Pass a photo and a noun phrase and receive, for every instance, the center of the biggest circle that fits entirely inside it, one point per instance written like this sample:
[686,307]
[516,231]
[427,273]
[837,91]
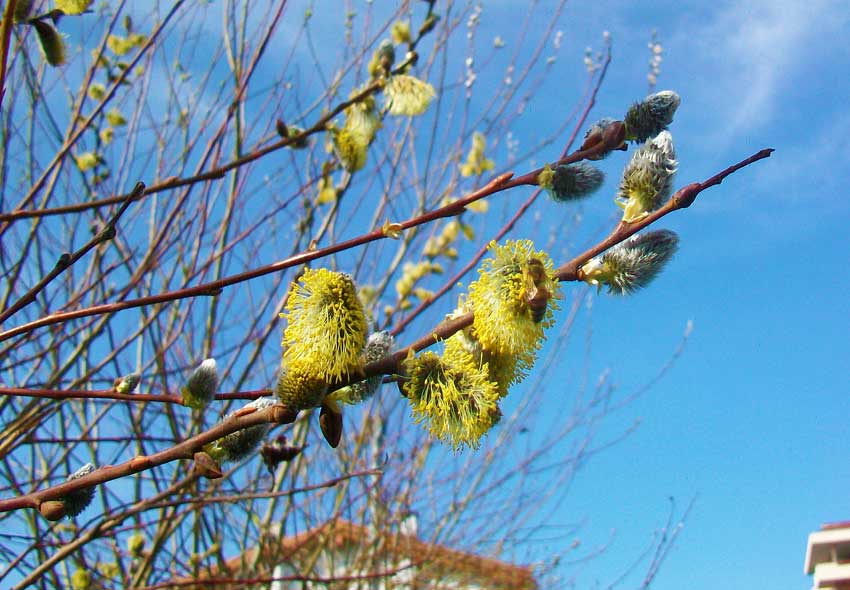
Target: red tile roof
[432,562]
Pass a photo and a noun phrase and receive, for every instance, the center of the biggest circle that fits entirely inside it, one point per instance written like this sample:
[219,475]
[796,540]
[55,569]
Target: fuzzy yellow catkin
[73,6]
[326,325]
[453,396]
[506,321]
[407,95]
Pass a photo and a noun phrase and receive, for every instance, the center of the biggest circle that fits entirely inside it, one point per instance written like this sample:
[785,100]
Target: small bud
[128,383]
[648,118]
[632,264]
[86,161]
[115,118]
[136,545]
[386,54]
[407,95]
[378,346]
[242,443]
[605,135]
[206,466]
[476,163]
[330,420]
[429,24]
[77,501]
[392,230]
[287,131]
[202,385]
[96,91]
[400,32]
[80,580]
[648,178]
[276,452]
[52,510]
[570,182]
[51,43]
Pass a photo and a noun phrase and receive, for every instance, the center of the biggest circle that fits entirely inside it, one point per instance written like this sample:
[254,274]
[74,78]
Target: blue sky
[752,418]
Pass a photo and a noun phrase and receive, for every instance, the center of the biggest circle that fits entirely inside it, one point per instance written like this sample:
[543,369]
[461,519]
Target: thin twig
[66,260]
[569,271]
[6,40]
[185,450]
[500,183]
[449,284]
[111,394]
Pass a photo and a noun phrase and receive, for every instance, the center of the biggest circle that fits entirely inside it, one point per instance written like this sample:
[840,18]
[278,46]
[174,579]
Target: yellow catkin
[326,325]
[509,314]
[453,396]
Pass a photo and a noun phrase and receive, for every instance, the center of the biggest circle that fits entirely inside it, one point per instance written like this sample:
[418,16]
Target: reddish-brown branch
[111,394]
[569,271]
[682,199]
[277,414]
[67,260]
[500,183]
[449,284]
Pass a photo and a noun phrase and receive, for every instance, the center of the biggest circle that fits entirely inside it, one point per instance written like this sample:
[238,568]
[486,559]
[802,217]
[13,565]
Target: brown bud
[276,452]
[205,466]
[52,509]
[614,136]
[686,195]
[283,414]
[281,128]
[603,137]
[331,424]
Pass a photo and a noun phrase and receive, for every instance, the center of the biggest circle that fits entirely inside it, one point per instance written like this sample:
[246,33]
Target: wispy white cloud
[747,55]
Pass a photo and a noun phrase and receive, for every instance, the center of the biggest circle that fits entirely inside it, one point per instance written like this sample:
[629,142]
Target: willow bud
[632,264]
[128,383]
[242,443]
[648,178]
[50,42]
[202,385]
[570,182]
[649,117]
[70,504]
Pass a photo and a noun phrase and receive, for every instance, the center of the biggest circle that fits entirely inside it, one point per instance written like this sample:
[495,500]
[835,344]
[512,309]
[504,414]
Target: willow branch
[473,262]
[6,40]
[569,271]
[500,183]
[215,173]
[245,418]
[111,394]
[66,260]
